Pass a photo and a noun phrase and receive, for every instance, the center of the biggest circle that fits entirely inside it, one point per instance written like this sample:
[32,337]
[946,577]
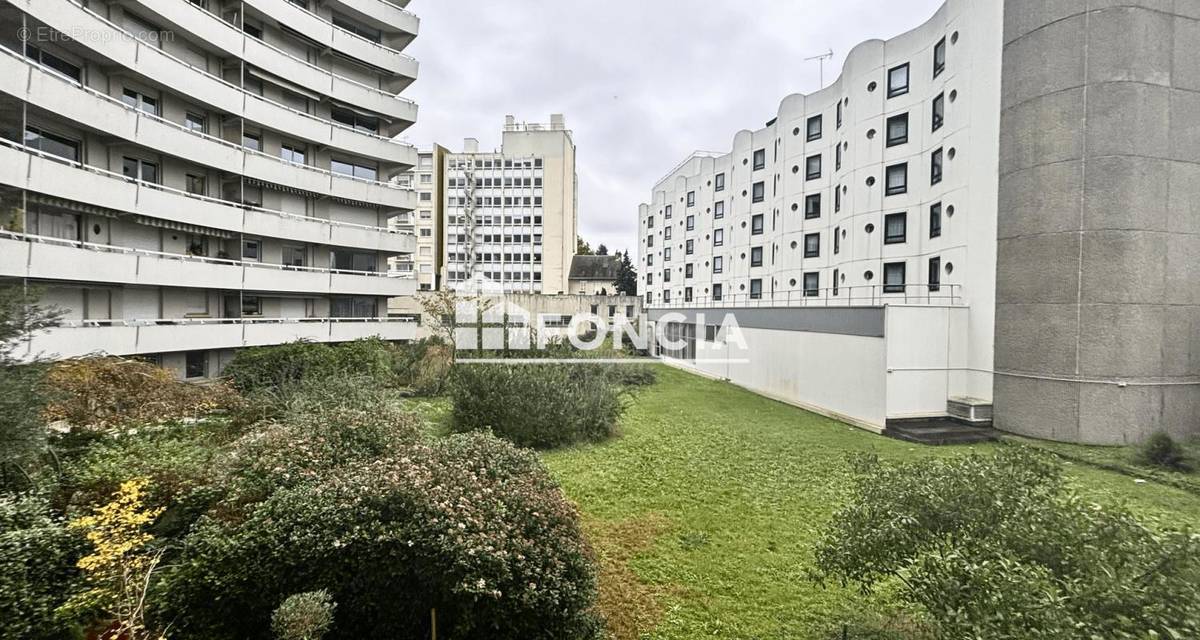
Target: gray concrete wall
[1098,266]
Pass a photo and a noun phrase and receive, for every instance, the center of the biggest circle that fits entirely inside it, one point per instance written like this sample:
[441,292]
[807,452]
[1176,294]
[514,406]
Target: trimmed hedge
[259,368]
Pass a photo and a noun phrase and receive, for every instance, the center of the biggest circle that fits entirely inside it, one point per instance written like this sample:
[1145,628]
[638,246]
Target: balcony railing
[873,295]
[346,32]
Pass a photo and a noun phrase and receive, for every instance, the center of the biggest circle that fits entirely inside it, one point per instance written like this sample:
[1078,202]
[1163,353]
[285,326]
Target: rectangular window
[812,283]
[812,245]
[895,228]
[837,157]
[756,224]
[837,198]
[760,159]
[939,111]
[719,182]
[650,241]
[758,191]
[196,364]
[718,264]
[839,114]
[893,277]
[756,289]
[357,28]
[354,120]
[837,240]
[691,198]
[667,233]
[252,141]
[935,220]
[814,128]
[666,254]
[939,57]
[687,294]
[195,122]
[897,130]
[667,211]
[355,169]
[935,167]
[140,101]
[935,274]
[691,223]
[295,256]
[53,144]
[756,256]
[812,167]
[293,153]
[717,291]
[353,307]
[897,179]
[898,81]
[812,206]
[64,226]
[718,237]
[835,282]
[53,62]
[138,169]
[719,209]
[666,275]
[252,250]
[689,247]
[353,260]
[688,270]
[197,185]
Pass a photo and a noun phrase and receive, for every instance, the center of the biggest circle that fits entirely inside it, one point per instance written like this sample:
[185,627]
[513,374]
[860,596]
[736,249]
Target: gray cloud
[642,83]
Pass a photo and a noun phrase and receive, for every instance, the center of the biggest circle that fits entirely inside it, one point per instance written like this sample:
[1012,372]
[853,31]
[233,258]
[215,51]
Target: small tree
[601,250]
[582,248]
[626,276]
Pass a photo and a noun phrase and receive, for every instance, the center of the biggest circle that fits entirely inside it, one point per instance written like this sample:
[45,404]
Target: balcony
[133,337]
[43,258]
[384,14]
[876,295]
[112,42]
[27,168]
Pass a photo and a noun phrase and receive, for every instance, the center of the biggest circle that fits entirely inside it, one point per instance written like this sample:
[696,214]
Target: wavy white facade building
[857,236]
[186,177]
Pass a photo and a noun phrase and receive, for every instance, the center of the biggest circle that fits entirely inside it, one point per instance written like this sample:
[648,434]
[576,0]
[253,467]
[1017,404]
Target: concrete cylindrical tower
[1098,265]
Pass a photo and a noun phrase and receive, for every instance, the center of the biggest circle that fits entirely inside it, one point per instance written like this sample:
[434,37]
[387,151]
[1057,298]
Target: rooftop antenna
[821,63]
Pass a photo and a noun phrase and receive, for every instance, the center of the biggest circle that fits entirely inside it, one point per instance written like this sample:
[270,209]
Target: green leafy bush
[1160,450]
[37,568]
[469,526]
[541,406]
[999,547]
[633,375]
[260,368]
[304,616]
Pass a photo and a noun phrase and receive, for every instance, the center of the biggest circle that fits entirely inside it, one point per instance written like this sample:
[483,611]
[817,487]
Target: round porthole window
[708,210]
[950,210]
[795,206]
[681,198]
[796,131]
[792,282]
[793,244]
[843,277]
[949,267]
[843,233]
[743,193]
[743,224]
[871,134]
[845,189]
[847,101]
[706,263]
[708,184]
[705,289]
[953,152]
[871,181]
[871,86]
[870,228]
[745,161]
[741,287]
[95,229]
[795,168]
[743,256]
[954,95]
[845,146]
[954,38]
[868,276]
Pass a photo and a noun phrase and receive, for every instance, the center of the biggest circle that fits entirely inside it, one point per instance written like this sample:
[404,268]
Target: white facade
[425,222]
[511,216]
[879,190]
[185,177]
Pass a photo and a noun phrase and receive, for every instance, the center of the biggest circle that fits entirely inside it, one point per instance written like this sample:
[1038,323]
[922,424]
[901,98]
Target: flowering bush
[469,527]
[541,406]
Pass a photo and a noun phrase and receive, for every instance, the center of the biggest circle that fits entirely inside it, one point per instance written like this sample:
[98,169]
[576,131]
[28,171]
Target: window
[353,260]
[292,153]
[939,57]
[835,282]
[688,270]
[691,223]
[812,206]
[758,191]
[689,247]
[354,120]
[939,111]
[295,255]
[667,295]
[252,250]
[935,274]
[140,101]
[814,128]
[893,277]
[650,241]
[252,141]
[837,198]
[716,289]
[137,169]
[197,185]
[53,224]
[897,179]
[837,240]
[895,228]
[756,289]
[358,29]
[252,85]
[812,283]
[719,209]
[691,198]
[53,62]
[195,122]
[760,159]
[628,311]
[756,256]
[935,220]
[897,130]
[837,158]
[666,254]
[196,364]
[756,224]
[718,264]
[812,167]
[812,245]
[718,237]
[353,307]
[898,81]
[667,214]
[667,233]
[719,182]
[52,144]
[355,169]
[687,294]
[650,222]
[649,278]
[935,167]
[666,275]
[252,30]
[839,114]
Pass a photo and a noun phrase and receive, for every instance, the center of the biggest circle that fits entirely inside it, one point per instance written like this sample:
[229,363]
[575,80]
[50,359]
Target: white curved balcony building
[186,177]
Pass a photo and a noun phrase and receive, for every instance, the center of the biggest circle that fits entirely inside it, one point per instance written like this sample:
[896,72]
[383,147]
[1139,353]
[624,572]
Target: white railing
[331,25]
[852,296]
[183,257]
[154,185]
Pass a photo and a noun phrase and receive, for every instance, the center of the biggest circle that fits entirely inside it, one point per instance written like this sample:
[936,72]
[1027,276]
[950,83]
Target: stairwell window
[897,130]
[688,270]
[688,248]
[756,289]
[756,256]
[687,294]
[935,220]
[719,182]
[939,111]
[758,191]
[756,224]
[691,223]
[939,57]
[718,237]
[935,167]
[835,282]
[814,128]
[893,277]
[717,292]
[897,179]
[691,198]
[812,284]
[839,114]
[898,81]
[667,233]
[719,264]
[935,274]
[760,159]
[719,209]
[812,206]
[895,228]
[812,245]
[812,167]
[837,240]
[666,275]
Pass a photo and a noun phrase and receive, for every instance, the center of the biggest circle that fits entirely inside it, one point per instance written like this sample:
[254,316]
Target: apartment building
[511,215]
[970,218]
[187,177]
[426,222]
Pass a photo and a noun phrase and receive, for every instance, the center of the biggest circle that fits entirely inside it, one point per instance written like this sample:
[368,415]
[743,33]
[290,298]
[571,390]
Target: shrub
[304,616]
[541,406]
[423,366]
[1160,450]
[469,526]
[999,547]
[629,375]
[37,568]
[259,368]
[107,391]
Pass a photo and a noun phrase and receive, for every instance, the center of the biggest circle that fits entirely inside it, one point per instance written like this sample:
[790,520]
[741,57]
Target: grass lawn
[705,510]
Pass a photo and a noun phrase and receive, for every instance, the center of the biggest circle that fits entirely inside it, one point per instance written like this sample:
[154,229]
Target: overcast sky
[642,83]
